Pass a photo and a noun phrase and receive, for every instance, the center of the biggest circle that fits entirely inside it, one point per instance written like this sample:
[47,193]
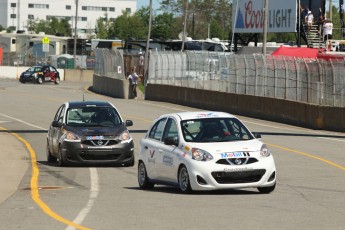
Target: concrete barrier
[79,75]
[114,87]
[288,112]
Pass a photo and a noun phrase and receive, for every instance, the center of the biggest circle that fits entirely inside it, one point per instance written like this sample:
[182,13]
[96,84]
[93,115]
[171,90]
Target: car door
[56,131]
[150,148]
[169,154]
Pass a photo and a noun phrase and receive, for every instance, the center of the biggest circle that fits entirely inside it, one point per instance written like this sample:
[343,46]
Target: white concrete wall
[14,72]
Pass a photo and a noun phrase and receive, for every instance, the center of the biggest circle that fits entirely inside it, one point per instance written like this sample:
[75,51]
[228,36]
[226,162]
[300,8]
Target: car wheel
[143,180]
[183,180]
[57,80]
[40,80]
[50,157]
[267,190]
[60,159]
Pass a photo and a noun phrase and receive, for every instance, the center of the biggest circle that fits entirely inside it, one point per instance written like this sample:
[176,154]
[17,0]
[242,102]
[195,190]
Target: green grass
[141,87]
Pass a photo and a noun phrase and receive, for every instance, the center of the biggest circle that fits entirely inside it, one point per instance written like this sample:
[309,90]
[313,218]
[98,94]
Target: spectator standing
[133,80]
[309,20]
[327,31]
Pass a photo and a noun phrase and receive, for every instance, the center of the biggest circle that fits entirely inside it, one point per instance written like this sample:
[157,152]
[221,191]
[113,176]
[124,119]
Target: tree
[53,26]
[103,25]
[163,26]
[127,26]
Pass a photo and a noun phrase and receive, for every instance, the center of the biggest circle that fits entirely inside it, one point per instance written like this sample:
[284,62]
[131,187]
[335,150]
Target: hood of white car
[226,147]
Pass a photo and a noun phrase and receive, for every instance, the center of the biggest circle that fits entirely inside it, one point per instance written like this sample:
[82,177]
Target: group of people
[325,26]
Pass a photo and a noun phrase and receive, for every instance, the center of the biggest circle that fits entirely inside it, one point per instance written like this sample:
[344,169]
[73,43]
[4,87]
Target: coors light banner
[248,16]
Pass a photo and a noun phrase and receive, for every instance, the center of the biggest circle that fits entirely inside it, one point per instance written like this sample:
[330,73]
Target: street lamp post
[75,34]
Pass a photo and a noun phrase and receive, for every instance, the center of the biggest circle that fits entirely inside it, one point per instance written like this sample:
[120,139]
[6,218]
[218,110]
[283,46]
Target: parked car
[204,151]
[89,132]
[40,74]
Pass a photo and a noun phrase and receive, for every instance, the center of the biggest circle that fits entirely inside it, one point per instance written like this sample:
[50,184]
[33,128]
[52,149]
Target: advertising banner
[248,16]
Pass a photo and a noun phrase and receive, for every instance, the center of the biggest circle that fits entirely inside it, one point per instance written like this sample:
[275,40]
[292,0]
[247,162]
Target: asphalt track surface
[310,192]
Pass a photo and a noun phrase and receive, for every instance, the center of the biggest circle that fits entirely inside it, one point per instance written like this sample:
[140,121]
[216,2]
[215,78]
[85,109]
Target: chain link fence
[303,80]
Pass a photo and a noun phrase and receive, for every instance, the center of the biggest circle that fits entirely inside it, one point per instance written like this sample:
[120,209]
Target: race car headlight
[124,136]
[201,155]
[70,136]
[265,152]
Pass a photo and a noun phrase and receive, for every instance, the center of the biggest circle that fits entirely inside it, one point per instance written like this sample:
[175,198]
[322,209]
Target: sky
[141,3]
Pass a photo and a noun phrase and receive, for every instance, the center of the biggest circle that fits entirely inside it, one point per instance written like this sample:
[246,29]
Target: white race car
[204,151]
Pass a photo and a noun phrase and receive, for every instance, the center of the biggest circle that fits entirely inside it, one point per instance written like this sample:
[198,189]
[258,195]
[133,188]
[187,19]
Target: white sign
[119,69]
[45,47]
[282,16]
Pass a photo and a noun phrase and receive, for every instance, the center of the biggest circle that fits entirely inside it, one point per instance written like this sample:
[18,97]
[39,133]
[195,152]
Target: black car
[40,74]
[89,132]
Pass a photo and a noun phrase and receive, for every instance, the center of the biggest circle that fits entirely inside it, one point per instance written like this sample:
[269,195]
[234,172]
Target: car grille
[90,157]
[100,142]
[238,176]
[237,161]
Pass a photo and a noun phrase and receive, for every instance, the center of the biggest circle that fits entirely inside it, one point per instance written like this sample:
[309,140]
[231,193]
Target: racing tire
[50,157]
[183,180]
[40,80]
[60,159]
[57,80]
[143,180]
[266,190]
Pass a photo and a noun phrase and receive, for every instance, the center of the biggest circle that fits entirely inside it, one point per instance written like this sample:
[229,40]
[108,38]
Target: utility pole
[75,34]
[265,28]
[184,26]
[330,9]
[146,60]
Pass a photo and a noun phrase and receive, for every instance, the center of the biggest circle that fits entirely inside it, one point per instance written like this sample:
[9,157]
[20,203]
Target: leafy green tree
[53,26]
[163,26]
[1,28]
[103,26]
[127,26]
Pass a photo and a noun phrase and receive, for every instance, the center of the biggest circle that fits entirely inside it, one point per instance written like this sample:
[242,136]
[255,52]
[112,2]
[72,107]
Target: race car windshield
[214,130]
[96,116]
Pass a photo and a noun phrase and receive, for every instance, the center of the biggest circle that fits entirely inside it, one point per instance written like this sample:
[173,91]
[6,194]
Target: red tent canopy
[302,52]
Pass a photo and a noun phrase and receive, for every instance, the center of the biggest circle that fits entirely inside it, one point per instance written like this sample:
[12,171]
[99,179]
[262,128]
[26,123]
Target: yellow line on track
[309,155]
[34,186]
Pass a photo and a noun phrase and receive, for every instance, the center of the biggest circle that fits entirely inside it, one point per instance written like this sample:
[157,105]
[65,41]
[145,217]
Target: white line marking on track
[94,190]
[332,139]
[24,122]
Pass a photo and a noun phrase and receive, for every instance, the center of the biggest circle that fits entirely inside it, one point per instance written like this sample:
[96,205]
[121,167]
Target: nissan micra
[89,132]
[204,151]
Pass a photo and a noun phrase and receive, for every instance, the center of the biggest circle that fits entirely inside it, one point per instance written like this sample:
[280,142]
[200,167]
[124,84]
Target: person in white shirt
[327,32]
[309,20]
[133,80]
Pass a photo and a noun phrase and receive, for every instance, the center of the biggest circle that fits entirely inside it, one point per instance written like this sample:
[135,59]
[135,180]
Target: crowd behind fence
[313,81]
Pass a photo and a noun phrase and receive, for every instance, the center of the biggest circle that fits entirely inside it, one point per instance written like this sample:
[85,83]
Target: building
[16,14]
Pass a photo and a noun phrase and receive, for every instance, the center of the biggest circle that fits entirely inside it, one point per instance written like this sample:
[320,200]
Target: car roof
[75,104]
[200,115]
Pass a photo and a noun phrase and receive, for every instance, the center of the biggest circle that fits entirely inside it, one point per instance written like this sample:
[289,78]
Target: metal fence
[109,63]
[303,80]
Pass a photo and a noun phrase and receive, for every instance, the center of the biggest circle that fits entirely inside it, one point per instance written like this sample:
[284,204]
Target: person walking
[309,20]
[133,81]
[327,32]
